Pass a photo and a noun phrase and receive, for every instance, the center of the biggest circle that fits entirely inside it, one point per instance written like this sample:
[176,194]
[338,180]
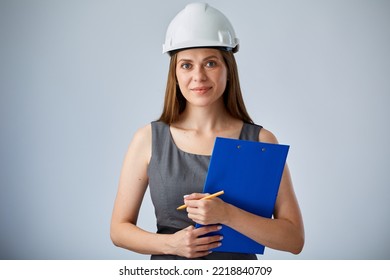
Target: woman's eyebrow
[211,57]
[204,59]
[184,60]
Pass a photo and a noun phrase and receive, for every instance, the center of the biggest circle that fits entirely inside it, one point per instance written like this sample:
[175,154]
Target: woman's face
[202,75]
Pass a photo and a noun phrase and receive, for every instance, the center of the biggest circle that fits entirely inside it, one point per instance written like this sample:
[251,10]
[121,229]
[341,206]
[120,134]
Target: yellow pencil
[206,197]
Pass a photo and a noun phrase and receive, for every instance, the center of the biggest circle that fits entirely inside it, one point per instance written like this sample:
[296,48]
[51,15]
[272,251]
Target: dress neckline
[193,154]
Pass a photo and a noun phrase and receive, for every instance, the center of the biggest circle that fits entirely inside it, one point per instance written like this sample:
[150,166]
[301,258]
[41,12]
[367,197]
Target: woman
[203,100]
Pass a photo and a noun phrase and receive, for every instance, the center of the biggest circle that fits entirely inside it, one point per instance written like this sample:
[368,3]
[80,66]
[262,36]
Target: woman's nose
[199,74]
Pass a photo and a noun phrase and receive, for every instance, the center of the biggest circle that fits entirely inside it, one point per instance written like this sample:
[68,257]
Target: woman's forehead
[198,53]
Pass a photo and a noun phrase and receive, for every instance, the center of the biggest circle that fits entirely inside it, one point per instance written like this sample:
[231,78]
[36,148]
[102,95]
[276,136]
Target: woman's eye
[211,64]
[186,66]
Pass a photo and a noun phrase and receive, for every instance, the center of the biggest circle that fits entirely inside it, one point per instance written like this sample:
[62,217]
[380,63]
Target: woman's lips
[200,90]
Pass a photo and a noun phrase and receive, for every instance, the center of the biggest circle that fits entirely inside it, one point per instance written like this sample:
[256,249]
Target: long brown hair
[175,103]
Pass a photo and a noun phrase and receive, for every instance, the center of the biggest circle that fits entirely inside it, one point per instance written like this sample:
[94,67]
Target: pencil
[206,197]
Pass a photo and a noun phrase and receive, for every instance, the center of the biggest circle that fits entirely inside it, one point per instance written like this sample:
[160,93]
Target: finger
[191,227]
[203,203]
[212,240]
[190,231]
[208,247]
[195,196]
[199,215]
[192,203]
[198,203]
[207,229]
[195,233]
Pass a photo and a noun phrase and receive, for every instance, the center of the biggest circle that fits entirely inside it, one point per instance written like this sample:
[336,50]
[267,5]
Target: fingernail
[221,237]
[219,227]
[186,195]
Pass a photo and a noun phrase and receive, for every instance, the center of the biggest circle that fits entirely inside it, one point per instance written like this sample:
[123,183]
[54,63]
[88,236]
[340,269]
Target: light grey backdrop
[77,78]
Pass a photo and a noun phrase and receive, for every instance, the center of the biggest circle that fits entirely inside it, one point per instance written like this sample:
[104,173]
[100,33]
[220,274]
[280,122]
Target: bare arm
[131,190]
[132,186]
[284,232]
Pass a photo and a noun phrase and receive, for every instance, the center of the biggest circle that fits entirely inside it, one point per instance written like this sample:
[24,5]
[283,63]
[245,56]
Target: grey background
[77,78]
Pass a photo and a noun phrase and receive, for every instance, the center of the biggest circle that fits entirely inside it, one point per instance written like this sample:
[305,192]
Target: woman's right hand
[190,243]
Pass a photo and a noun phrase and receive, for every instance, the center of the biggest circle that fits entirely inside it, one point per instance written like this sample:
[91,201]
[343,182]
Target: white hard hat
[200,25]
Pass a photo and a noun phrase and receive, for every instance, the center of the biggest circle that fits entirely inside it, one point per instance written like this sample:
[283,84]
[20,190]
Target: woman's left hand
[206,211]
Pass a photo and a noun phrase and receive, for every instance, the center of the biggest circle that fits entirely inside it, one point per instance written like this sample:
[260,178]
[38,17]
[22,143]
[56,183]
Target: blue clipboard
[250,173]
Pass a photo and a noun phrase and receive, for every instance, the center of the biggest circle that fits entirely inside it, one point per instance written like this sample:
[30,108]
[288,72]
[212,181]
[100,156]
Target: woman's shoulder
[144,131]
[142,137]
[267,136]
[143,134]
[140,145]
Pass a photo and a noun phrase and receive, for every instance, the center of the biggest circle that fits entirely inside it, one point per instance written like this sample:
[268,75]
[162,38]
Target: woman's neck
[207,120]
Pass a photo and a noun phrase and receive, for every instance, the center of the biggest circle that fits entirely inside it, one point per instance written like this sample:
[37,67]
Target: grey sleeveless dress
[174,173]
